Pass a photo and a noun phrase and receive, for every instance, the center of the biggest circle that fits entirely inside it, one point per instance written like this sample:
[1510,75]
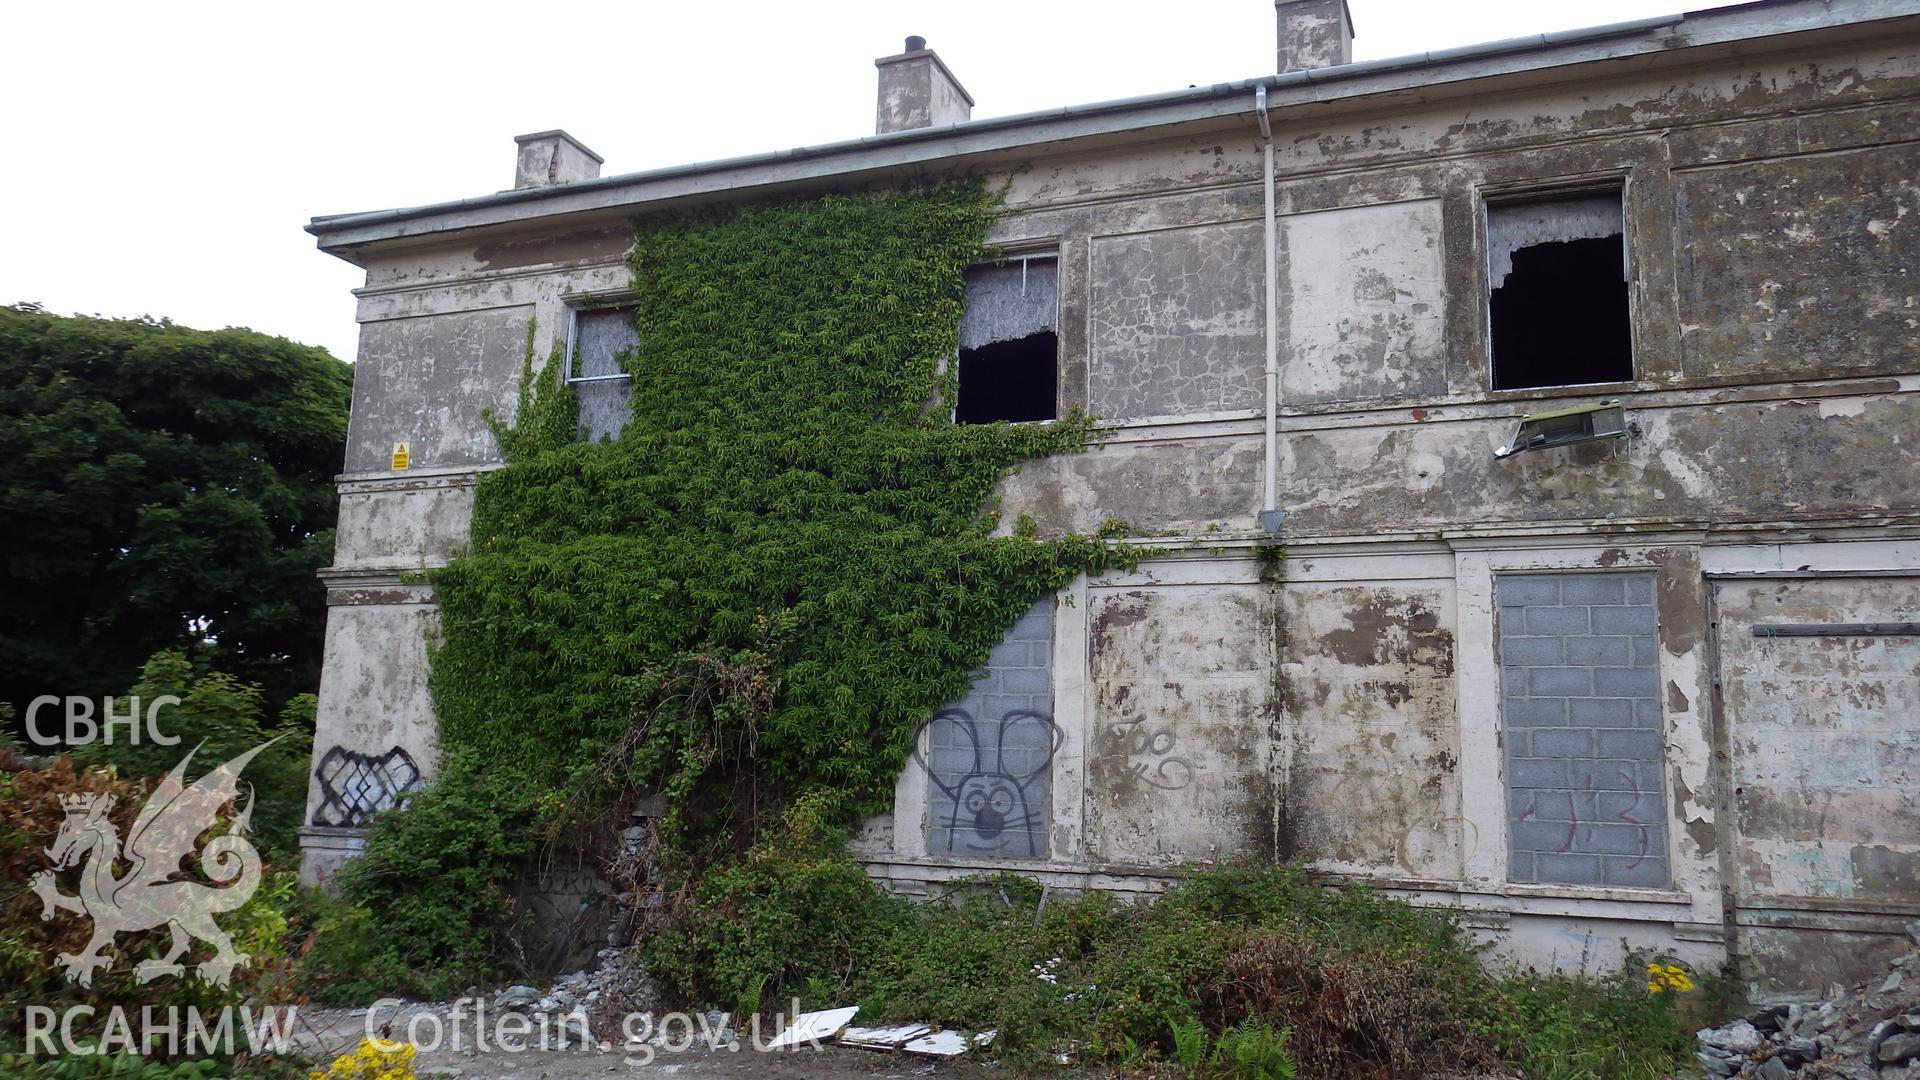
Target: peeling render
[1367,705]
[1174,767]
[1822,739]
[1175,322]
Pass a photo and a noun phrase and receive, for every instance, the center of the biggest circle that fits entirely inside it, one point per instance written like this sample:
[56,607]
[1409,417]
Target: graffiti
[355,786]
[1426,843]
[1163,770]
[1581,832]
[990,790]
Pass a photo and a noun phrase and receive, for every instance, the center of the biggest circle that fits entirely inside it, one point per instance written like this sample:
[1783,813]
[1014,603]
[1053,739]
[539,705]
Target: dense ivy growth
[784,563]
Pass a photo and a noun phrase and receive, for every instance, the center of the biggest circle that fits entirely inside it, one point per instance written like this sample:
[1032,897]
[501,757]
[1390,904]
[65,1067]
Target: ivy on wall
[787,559]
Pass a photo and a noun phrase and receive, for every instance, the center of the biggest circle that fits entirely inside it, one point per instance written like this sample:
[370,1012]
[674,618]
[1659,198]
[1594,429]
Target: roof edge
[1310,83]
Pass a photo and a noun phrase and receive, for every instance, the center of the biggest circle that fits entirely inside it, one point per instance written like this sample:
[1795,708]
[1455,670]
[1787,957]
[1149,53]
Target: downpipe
[1271,514]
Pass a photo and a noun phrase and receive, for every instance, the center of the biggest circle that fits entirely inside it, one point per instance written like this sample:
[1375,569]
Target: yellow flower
[369,1061]
[1665,978]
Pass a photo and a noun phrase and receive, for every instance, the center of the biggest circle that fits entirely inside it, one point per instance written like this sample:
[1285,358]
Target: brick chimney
[1313,34]
[917,91]
[553,157]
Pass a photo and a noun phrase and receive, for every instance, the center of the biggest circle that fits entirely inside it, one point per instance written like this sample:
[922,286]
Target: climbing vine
[785,561]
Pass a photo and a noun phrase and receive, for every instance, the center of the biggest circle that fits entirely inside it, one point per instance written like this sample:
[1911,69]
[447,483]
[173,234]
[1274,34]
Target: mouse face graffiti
[989,780]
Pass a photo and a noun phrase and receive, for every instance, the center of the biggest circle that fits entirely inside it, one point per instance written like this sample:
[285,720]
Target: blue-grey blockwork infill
[990,755]
[1579,690]
[600,336]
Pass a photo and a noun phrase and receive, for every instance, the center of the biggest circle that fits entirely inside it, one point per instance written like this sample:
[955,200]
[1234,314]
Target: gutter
[324,225]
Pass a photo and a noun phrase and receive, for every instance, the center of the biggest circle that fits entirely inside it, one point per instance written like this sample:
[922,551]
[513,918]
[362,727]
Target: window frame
[598,302]
[1024,253]
[1489,197]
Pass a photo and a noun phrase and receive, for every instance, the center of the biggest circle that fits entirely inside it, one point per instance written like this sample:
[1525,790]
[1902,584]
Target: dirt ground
[325,1033]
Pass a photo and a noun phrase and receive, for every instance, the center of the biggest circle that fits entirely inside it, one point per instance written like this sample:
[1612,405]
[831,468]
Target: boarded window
[1557,292]
[1579,699]
[601,338]
[1009,346]
[990,755]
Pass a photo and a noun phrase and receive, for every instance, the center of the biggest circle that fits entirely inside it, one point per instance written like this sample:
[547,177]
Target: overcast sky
[161,158]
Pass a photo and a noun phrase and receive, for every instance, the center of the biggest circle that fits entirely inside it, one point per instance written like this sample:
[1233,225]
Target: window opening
[1009,343]
[1557,292]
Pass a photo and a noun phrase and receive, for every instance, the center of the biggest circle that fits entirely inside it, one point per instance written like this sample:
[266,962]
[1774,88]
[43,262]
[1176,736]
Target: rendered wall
[1344,707]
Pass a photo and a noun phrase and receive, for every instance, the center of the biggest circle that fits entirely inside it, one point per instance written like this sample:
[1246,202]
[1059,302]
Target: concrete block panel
[990,754]
[1822,738]
[1585,798]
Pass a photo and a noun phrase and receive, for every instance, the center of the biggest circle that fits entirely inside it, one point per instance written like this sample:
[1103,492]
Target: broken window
[1557,292]
[1009,348]
[601,336]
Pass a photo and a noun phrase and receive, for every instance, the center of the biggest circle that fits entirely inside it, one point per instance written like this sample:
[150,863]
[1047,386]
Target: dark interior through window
[1009,348]
[1558,302]
[1009,380]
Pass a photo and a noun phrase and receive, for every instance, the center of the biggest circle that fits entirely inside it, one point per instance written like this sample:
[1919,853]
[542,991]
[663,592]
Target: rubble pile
[588,1001]
[1871,1032]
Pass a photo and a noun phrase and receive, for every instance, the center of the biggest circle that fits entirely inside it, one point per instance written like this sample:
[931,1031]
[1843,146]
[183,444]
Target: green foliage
[218,718]
[30,816]
[780,568]
[793,908]
[426,910]
[121,1066]
[549,408]
[1251,1050]
[164,487]
[1573,1027]
[1241,970]
[785,458]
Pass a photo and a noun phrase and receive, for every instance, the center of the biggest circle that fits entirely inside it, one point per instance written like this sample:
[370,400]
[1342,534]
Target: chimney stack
[1313,34]
[553,157]
[917,91]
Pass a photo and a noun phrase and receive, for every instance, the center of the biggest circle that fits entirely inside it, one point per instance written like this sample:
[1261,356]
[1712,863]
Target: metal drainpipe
[1270,514]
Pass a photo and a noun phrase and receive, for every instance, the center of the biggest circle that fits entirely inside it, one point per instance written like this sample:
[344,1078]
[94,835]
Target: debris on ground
[882,1038]
[948,1043]
[814,1027]
[1871,1032]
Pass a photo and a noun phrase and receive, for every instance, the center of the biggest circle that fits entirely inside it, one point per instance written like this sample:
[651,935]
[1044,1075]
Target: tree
[163,488]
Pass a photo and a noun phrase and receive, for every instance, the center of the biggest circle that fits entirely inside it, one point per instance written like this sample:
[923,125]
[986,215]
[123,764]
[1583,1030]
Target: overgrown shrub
[31,813]
[425,910]
[1242,970]
[219,717]
[1237,970]
[793,910]
[1607,1025]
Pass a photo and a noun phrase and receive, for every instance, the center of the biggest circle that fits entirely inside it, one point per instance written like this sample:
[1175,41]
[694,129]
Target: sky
[162,159]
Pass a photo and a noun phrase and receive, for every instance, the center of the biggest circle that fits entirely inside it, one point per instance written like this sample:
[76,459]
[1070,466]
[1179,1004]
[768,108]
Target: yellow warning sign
[401,456]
